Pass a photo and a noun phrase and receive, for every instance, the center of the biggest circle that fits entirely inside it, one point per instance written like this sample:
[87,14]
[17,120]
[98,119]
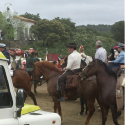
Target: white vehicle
[12,108]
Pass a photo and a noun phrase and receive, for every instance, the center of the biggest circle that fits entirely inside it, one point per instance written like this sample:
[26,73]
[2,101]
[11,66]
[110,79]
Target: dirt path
[70,109]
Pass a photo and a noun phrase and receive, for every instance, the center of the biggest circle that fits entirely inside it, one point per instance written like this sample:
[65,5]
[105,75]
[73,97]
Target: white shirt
[101,54]
[74,61]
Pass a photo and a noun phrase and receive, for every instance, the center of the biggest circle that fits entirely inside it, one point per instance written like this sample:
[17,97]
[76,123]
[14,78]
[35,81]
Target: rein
[48,78]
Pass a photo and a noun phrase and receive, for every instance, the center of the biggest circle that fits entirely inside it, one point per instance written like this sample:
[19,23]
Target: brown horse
[88,88]
[21,79]
[82,99]
[106,80]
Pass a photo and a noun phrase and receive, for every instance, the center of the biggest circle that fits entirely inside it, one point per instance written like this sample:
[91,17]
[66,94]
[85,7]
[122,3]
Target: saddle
[72,81]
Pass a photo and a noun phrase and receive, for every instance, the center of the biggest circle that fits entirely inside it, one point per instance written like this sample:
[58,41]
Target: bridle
[85,74]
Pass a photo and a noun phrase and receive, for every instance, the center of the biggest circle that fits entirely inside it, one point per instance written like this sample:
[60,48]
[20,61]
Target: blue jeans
[115,65]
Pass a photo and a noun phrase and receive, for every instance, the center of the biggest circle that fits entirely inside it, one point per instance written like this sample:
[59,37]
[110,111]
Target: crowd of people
[115,59]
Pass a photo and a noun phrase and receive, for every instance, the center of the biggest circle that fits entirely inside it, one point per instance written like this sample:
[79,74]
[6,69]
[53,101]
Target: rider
[101,53]
[73,66]
[29,63]
[120,59]
[85,58]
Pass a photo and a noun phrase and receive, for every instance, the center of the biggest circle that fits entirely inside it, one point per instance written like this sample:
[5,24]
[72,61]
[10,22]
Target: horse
[82,99]
[87,88]
[106,80]
[21,79]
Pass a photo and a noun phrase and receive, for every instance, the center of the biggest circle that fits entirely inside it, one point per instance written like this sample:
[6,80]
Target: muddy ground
[70,109]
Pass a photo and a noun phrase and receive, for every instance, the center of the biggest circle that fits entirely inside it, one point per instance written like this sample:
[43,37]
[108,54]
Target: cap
[121,45]
[2,45]
[116,47]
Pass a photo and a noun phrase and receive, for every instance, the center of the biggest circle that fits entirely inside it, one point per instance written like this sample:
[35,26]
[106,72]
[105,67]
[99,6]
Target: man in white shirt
[73,66]
[101,53]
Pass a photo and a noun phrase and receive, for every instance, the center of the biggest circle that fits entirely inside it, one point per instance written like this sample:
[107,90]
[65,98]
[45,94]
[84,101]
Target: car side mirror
[20,101]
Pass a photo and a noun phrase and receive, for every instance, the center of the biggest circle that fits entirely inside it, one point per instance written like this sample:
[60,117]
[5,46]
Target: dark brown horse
[21,79]
[106,80]
[88,88]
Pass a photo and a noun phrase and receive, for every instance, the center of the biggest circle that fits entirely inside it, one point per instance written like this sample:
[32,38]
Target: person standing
[120,59]
[5,51]
[73,66]
[6,55]
[101,53]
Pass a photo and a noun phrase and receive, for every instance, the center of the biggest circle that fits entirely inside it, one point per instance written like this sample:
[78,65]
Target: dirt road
[70,109]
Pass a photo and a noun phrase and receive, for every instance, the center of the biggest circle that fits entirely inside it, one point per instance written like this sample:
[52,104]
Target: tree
[52,37]
[44,29]
[68,24]
[117,30]
[31,16]
[11,26]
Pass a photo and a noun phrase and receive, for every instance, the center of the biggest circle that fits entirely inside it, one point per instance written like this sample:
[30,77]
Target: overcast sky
[81,12]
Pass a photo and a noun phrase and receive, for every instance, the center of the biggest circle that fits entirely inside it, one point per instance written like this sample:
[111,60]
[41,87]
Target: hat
[2,45]
[71,45]
[81,46]
[121,45]
[116,47]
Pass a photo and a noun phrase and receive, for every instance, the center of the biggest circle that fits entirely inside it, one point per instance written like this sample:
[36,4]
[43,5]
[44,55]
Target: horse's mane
[108,69]
[48,65]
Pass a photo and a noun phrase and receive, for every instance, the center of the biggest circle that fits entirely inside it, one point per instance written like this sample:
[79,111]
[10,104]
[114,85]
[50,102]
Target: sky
[81,12]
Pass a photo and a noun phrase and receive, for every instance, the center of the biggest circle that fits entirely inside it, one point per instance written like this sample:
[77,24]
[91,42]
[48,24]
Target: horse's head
[88,71]
[37,73]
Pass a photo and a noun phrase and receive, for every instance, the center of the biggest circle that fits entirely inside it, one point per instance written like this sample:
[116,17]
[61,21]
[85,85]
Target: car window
[5,95]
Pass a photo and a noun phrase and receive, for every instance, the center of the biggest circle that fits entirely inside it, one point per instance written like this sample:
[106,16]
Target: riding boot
[62,89]
[64,96]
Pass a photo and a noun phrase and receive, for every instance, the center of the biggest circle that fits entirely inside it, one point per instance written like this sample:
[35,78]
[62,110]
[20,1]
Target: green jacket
[29,62]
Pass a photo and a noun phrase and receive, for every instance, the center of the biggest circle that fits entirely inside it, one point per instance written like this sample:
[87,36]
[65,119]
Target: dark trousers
[62,79]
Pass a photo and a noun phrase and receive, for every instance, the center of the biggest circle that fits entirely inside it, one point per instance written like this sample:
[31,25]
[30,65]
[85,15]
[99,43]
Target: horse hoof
[119,113]
[81,113]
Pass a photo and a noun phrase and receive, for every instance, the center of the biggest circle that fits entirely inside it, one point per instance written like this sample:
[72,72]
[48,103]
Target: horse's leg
[86,106]
[114,114]
[35,86]
[82,105]
[90,104]
[32,96]
[104,110]
[57,106]
[104,114]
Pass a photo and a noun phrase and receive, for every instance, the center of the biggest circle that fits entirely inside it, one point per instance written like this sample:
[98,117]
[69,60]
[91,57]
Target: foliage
[31,16]
[101,28]
[117,30]
[43,29]
[52,37]
[10,25]
[69,26]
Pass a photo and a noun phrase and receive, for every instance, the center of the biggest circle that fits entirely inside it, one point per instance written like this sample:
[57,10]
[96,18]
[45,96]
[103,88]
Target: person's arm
[69,62]
[120,57]
[97,55]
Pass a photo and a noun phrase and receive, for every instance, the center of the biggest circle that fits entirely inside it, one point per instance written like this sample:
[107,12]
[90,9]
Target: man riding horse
[73,67]
[29,63]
